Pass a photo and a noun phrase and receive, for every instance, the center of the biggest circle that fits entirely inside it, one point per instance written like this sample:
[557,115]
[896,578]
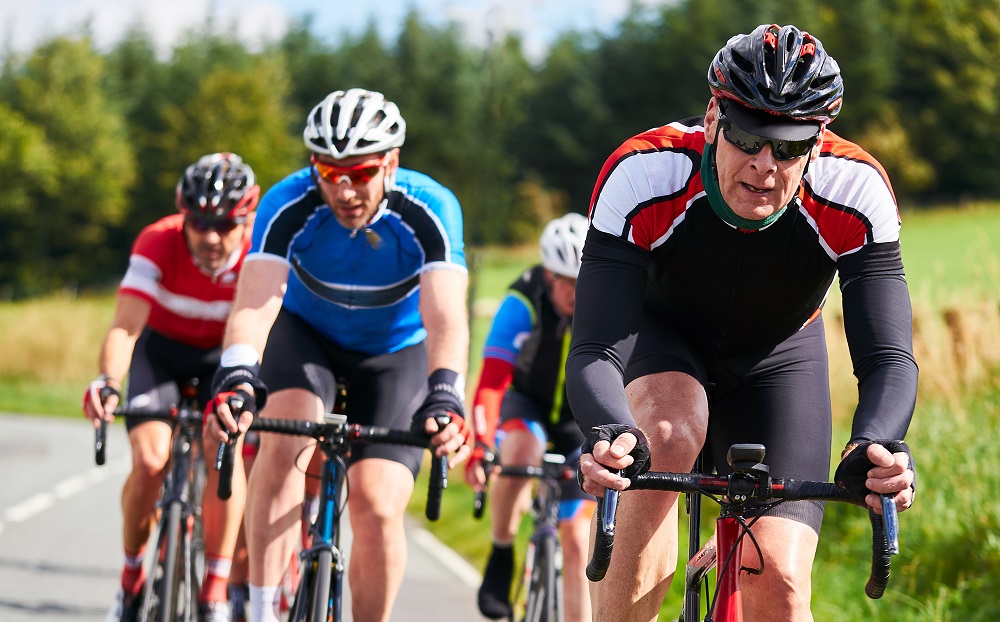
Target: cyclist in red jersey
[713,243]
[167,327]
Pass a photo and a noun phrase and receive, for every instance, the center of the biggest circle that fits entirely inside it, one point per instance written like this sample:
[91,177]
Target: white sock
[263,605]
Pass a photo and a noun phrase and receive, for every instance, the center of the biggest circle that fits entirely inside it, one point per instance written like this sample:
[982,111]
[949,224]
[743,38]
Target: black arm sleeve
[879,326]
[609,300]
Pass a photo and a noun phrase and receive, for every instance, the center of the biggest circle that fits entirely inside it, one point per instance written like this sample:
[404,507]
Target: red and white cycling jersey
[189,305]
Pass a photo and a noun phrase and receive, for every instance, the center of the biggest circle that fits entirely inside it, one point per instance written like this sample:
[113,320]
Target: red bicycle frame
[729,602]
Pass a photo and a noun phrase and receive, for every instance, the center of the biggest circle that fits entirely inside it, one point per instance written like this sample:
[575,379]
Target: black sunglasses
[752,143]
[222,227]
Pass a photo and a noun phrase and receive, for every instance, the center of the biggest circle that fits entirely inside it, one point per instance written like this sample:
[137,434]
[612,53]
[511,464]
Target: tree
[242,111]
[61,90]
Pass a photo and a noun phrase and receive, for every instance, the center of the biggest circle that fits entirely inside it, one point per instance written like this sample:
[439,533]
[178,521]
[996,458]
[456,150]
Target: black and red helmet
[218,187]
[781,70]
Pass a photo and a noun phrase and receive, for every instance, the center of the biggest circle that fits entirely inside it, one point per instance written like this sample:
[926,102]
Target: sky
[26,23]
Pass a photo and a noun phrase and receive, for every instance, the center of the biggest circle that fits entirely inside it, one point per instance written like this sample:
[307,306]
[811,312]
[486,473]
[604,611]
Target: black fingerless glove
[609,432]
[443,400]
[226,379]
[852,473]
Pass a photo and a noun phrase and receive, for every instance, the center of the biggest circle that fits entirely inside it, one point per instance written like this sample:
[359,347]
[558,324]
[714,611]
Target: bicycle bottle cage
[749,473]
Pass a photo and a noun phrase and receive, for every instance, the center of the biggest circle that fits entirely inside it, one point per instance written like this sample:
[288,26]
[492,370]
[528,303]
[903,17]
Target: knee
[150,466]
[672,411]
[781,592]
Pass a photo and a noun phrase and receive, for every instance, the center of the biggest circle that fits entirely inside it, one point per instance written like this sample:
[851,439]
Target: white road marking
[63,490]
[449,558]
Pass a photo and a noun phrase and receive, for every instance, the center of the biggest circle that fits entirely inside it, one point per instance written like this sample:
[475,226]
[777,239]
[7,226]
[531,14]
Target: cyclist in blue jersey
[714,241]
[356,271]
[522,385]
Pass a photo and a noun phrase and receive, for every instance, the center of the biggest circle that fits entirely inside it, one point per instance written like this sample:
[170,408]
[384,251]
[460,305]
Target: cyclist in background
[356,270]
[526,353]
[167,327]
[713,243]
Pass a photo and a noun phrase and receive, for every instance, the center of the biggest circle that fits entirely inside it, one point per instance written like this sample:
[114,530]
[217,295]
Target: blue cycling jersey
[360,289]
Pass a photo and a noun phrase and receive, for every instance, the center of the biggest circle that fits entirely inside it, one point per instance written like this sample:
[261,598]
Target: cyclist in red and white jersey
[713,243]
[168,325]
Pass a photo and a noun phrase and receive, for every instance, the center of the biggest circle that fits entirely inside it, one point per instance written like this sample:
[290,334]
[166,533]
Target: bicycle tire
[552,573]
[299,611]
[321,585]
[540,592]
[148,610]
[172,563]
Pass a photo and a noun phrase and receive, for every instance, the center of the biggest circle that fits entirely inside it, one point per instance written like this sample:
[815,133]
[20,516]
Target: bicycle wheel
[299,611]
[542,593]
[173,564]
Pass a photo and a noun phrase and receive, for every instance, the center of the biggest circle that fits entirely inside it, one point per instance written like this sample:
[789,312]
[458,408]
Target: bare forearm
[116,353]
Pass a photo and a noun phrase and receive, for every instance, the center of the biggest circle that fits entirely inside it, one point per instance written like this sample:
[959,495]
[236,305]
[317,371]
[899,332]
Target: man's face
[754,186]
[212,243]
[354,187]
[562,293]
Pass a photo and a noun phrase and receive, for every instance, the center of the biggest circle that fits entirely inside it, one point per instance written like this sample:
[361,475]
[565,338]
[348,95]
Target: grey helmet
[562,244]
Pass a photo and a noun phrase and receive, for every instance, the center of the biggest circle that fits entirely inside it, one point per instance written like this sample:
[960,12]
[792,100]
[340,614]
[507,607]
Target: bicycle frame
[325,544]
[320,590]
[176,598]
[750,479]
[172,583]
[542,574]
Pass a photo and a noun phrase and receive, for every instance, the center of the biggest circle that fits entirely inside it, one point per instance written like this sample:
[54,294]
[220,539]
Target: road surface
[60,526]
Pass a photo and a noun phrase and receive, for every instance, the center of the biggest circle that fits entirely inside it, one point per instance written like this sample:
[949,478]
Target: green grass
[950,253]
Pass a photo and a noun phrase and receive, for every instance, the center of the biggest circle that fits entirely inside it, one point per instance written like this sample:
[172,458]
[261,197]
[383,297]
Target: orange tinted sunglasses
[356,175]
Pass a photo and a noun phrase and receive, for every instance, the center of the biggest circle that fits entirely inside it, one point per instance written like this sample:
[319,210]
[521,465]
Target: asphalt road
[60,525]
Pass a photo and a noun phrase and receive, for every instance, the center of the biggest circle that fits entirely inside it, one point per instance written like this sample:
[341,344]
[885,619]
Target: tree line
[92,142]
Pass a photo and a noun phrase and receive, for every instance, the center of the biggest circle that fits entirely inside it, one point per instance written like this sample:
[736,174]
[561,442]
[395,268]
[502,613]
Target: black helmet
[782,70]
[219,186]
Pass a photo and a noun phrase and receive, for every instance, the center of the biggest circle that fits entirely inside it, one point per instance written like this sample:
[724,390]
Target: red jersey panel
[189,305]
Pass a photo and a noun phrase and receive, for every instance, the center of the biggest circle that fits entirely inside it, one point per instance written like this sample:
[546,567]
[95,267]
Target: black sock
[494,595]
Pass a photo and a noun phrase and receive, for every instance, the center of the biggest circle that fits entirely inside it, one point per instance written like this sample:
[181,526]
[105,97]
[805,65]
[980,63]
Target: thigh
[152,384]
[521,432]
[665,385]
[386,390]
[782,403]
[296,357]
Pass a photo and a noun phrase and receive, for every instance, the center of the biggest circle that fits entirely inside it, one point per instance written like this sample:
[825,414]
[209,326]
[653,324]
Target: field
[950,565]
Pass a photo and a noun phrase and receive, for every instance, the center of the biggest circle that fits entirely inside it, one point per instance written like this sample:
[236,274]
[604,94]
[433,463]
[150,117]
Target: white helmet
[562,244]
[352,123]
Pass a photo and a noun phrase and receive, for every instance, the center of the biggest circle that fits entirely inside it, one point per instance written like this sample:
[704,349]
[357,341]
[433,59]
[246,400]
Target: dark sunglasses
[222,227]
[356,175]
[752,143]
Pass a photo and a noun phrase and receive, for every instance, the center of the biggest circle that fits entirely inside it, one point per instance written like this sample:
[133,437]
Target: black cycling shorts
[382,390]
[158,369]
[518,411]
[779,398]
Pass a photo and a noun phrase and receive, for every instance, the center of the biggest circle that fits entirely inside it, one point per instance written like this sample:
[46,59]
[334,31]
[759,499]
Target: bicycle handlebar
[787,489]
[225,456]
[340,434]
[101,434]
[557,471]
